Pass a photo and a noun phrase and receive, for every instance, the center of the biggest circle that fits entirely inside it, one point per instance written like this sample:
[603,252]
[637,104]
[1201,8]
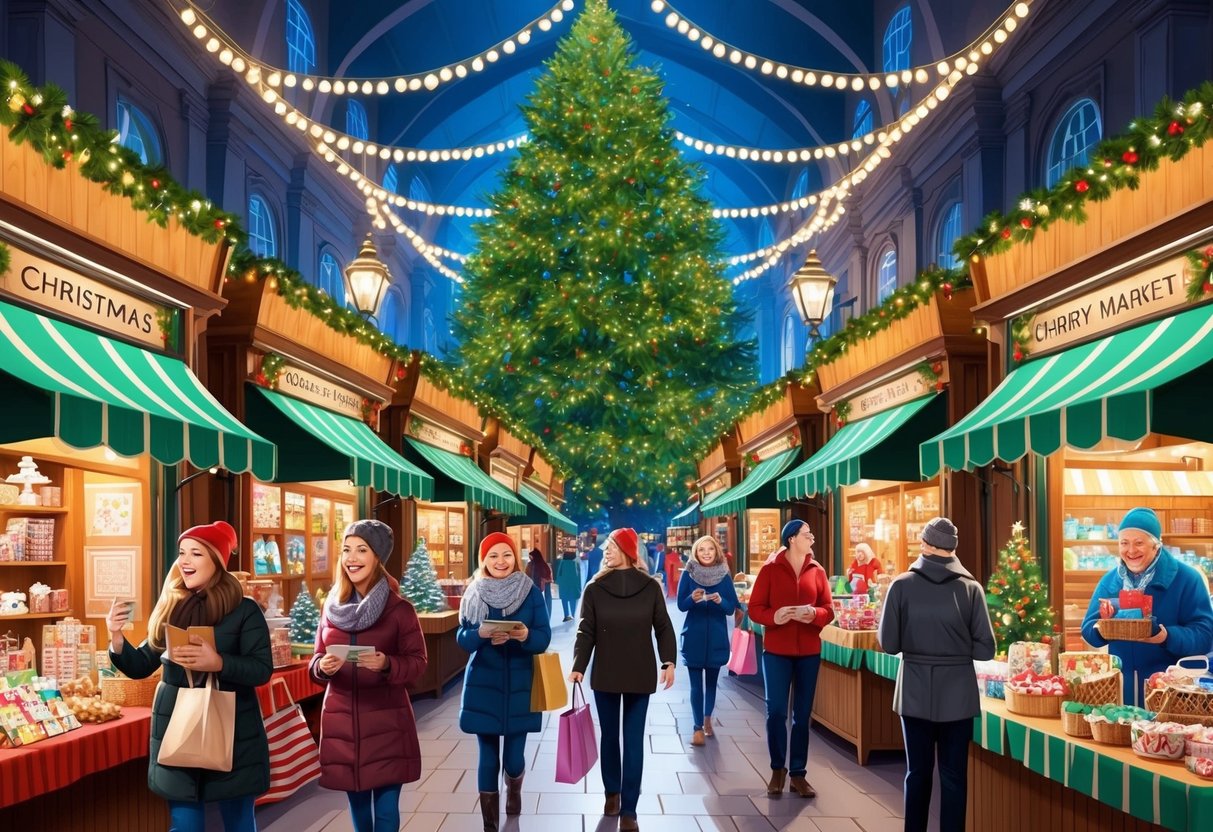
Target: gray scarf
[707,576]
[359,613]
[505,594]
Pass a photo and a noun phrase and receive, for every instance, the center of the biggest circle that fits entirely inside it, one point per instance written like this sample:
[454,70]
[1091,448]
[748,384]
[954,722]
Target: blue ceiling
[710,98]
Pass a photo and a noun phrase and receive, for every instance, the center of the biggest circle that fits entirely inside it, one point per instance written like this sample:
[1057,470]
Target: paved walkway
[718,788]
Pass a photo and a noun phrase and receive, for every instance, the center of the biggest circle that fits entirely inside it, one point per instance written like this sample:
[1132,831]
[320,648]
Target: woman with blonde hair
[199,591]
[707,596]
[622,608]
[503,623]
[368,736]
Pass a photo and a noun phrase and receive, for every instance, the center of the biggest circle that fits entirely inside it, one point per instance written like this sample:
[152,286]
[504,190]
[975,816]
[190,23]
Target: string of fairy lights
[335,147]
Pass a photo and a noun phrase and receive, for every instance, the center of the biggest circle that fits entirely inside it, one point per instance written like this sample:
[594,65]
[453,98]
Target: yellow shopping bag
[548,692]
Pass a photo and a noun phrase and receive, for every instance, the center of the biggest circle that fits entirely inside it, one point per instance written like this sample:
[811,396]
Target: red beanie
[219,535]
[628,542]
[493,539]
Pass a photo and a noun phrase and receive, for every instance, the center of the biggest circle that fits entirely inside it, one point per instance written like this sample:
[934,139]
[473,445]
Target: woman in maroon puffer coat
[368,737]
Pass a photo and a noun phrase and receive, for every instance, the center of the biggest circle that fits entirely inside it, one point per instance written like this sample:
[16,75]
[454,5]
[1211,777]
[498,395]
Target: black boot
[490,809]
[513,794]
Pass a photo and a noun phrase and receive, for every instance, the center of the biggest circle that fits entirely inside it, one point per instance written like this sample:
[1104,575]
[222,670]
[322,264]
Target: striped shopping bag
[294,755]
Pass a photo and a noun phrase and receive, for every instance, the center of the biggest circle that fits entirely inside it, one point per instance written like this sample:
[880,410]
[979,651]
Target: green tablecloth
[882,664]
[842,656]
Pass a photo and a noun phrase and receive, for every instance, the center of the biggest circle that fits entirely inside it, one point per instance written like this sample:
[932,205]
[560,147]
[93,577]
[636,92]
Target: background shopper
[540,572]
[707,596]
[568,581]
[935,616]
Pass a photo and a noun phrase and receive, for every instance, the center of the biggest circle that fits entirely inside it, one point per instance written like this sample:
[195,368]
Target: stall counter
[854,697]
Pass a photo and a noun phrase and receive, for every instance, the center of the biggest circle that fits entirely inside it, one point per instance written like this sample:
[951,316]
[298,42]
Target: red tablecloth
[56,763]
[298,682]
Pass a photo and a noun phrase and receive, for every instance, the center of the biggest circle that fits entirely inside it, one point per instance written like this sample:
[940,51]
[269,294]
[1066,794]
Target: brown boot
[707,726]
[628,824]
[613,804]
[513,794]
[775,785]
[490,809]
[697,737]
[801,787]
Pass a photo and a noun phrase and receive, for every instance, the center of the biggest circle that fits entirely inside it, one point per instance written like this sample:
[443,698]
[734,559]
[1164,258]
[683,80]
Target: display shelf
[33,563]
[14,508]
[29,616]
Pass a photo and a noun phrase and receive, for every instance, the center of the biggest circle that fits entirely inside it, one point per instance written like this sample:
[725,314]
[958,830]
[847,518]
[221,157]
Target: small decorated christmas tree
[419,583]
[1017,595]
[305,616]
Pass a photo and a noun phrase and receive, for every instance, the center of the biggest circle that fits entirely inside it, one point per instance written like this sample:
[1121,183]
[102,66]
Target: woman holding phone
[503,623]
[707,596]
[791,599]
[199,591]
[368,736]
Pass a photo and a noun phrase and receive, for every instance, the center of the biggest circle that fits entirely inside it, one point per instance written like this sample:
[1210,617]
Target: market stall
[852,701]
[717,473]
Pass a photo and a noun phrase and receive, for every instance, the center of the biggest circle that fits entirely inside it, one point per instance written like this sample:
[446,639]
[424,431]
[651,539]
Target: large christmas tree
[419,583]
[595,307]
[1017,595]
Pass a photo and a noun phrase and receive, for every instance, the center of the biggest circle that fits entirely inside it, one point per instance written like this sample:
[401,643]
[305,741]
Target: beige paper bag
[201,732]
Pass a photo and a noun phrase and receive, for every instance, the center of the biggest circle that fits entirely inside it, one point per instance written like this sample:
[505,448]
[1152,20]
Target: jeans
[621,773]
[924,741]
[569,605]
[800,674]
[488,774]
[375,809]
[703,697]
[190,816]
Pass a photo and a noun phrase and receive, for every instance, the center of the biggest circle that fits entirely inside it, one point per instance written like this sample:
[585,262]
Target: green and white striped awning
[689,516]
[545,513]
[746,494]
[89,390]
[317,444]
[478,487]
[1079,397]
[860,450]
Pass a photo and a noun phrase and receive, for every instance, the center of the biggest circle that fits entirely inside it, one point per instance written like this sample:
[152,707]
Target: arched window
[300,40]
[391,178]
[787,353]
[431,333]
[137,132]
[946,237]
[861,124]
[1076,133]
[897,37]
[886,274]
[355,120]
[802,186]
[331,280]
[394,317]
[262,237]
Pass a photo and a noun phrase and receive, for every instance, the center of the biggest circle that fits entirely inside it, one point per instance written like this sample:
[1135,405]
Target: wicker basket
[1111,733]
[1106,690]
[1184,719]
[130,693]
[1125,629]
[1076,725]
[1184,705]
[1026,704]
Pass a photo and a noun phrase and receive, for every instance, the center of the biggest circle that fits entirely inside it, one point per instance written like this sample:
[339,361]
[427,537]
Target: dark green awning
[689,516]
[317,444]
[89,390]
[478,487]
[543,513]
[747,493]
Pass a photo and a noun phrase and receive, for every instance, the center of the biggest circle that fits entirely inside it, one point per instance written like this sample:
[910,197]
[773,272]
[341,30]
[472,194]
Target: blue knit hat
[790,530]
[1144,520]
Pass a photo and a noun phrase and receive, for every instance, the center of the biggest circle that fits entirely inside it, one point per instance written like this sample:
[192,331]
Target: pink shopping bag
[743,660]
[576,745]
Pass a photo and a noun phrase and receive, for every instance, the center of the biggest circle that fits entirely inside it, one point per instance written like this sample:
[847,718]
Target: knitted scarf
[1128,580]
[505,594]
[359,613]
[707,575]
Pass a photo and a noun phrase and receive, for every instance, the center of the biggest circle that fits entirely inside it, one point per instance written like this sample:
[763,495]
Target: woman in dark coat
[199,591]
[368,737]
[707,596]
[540,572]
[622,609]
[568,580]
[935,616]
[496,703]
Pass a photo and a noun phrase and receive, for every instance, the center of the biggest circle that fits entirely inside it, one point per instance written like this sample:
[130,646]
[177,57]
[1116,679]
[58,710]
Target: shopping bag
[576,744]
[548,692]
[743,657]
[202,729]
[294,755]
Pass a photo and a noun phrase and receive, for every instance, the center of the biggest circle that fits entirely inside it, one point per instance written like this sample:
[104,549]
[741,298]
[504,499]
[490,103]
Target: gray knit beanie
[377,534]
[940,533]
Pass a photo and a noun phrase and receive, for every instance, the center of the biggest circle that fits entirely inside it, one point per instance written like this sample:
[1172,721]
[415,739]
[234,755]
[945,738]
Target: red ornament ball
[1130,157]
[1082,186]
[1209,288]
[1026,222]
[939,386]
[156,184]
[587,127]
[399,374]
[557,185]
[1018,354]
[1175,129]
[219,223]
[635,90]
[937,367]
[1006,233]
[27,109]
[535,361]
[593,38]
[631,180]
[606,73]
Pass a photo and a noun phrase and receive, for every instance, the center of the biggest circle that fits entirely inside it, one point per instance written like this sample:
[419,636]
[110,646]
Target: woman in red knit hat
[199,591]
[621,610]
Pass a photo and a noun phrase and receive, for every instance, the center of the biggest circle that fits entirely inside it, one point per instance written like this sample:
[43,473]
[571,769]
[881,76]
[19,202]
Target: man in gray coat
[935,616]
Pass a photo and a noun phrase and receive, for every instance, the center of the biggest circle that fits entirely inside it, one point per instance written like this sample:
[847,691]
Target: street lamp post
[366,278]
[812,288]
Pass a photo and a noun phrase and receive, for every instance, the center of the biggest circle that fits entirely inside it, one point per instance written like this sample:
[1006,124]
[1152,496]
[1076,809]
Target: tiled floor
[718,788]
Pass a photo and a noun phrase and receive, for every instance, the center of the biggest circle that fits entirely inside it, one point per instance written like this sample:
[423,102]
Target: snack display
[1110,723]
[1159,740]
[1074,719]
[29,714]
[991,678]
[1030,694]
[1034,656]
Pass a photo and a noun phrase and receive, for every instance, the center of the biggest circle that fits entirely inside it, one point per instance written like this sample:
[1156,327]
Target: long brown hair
[344,587]
[223,594]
